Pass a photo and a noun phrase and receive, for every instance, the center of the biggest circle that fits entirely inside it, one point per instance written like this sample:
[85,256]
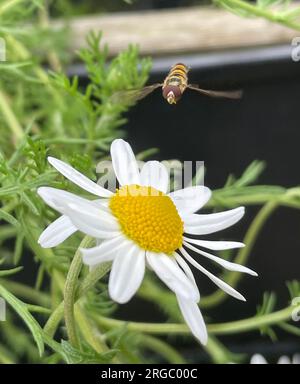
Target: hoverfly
[173,88]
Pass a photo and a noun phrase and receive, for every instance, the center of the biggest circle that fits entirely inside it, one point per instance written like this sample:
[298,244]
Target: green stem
[90,280]
[244,253]
[10,118]
[88,332]
[217,351]
[229,328]
[52,323]
[8,5]
[53,58]
[163,349]
[290,329]
[236,200]
[151,328]
[70,291]
[38,309]
[253,323]
[55,346]
[55,294]
[25,292]
[7,231]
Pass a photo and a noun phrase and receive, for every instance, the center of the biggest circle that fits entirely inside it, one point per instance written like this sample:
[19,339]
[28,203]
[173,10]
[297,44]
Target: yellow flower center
[148,217]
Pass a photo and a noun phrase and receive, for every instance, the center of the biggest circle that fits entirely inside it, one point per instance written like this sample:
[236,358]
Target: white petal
[296,358]
[224,263]
[89,217]
[193,317]
[155,174]
[258,359]
[183,264]
[57,198]
[92,220]
[215,245]
[104,203]
[93,208]
[124,163]
[190,199]
[127,273]
[57,232]
[78,178]
[172,275]
[106,251]
[211,218]
[204,229]
[220,283]
[51,195]
[284,360]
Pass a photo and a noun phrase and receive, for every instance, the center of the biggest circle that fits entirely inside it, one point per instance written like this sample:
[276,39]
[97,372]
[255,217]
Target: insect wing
[132,95]
[226,94]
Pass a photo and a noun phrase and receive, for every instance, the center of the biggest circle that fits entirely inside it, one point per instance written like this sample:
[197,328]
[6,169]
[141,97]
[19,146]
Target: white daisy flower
[259,359]
[140,225]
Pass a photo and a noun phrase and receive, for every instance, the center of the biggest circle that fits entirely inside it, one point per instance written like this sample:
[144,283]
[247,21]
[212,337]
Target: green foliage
[267,307]
[240,190]
[294,288]
[10,272]
[86,355]
[97,301]
[278,11]
[249,176]
[23,312]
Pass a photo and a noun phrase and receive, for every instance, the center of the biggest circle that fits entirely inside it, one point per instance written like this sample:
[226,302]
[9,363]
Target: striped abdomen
[175,83]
